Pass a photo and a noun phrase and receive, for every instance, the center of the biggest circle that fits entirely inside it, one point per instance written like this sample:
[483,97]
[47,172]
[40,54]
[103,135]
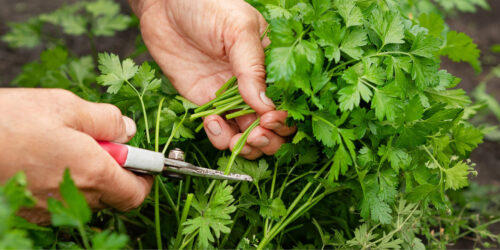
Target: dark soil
[12,60]
[483,27]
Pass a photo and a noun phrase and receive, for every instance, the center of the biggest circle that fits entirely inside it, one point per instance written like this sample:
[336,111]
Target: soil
[122,43]
[483,27]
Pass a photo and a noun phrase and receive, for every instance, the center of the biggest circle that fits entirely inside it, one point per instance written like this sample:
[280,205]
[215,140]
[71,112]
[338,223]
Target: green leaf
[396,156]
[275,11]
[341,162]
[145,78]
[456,98]
[385,106]
[24,34]
[213,217]
[433,22]
[456,177]
[259,171]
[69,19]
[280,64]
[461,48]
[425,46]
[74,212]
[109,240]
[464,5]
[388,27]
[423,72]
[350,12]
[329,36]
[374,208]
[114,72]
[324,129]
[272,209]
[352,43]
[466,138]
[350,96]
[296,108]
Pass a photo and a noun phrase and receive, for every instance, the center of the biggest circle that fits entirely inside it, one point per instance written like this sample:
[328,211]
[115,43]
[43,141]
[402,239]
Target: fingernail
[266,99]
[214,127]
[261,141]
[246,150]
[274,125]
[130,127]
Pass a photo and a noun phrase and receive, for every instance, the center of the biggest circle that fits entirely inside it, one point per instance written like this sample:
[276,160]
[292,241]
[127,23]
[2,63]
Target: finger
[245,121]
[246,55]
[219,131]
[120,188]
[104,121]
[275,120]
[263,28]
[248,151]
[98,176]
[265,140]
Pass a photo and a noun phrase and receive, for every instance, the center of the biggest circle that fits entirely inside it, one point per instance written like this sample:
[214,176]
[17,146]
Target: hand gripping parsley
[362,82]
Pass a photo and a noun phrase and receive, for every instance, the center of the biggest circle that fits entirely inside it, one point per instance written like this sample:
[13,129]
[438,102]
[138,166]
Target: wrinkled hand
[45,131]
[200,44]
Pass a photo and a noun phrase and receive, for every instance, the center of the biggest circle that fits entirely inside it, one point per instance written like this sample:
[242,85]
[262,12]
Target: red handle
[118,151]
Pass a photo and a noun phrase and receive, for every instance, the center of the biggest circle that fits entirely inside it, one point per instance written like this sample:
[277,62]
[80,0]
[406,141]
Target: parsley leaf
[75,212]
[115,73]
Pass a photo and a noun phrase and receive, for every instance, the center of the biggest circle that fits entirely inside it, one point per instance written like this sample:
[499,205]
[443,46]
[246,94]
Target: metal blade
[185,168]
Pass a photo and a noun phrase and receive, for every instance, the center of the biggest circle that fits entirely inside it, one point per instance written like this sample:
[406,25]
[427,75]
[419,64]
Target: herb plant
[382,139]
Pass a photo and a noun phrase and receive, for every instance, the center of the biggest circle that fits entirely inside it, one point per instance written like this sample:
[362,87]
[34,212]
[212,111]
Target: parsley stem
[157,127]
[185,211]
[226,85]
[289,216]
[157,212]
[239,113]
[231,91]
[143,110]
[218,110]
[228,100]
[240,144]
[170,201]
[83,233]
[174,131]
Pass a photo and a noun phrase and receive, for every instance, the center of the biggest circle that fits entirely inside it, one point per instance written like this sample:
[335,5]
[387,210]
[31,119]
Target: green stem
[157,212]
[232,91]
[226,237]
[143,110]
[174,131]
[157,127]
[228,100]
[287,219]
[239,113]
[83,233]
[187,205]
[240,144]
[226,85]
[170,201]
[218,110]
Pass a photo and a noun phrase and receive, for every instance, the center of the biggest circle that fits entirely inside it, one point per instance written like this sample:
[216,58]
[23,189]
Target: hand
[45,131]
[200,44]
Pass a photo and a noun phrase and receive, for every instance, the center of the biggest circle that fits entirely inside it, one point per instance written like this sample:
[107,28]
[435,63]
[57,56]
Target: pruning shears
[150,162]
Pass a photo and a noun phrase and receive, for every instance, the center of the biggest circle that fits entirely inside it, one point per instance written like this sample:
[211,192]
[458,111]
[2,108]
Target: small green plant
[488,107]
[383,136]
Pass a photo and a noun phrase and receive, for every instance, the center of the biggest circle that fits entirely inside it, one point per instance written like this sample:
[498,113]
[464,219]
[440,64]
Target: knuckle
[135,200]
[115,117]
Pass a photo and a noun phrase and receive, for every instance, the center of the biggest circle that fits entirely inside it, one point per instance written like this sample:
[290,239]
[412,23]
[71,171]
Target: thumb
[105,122]
[248,63]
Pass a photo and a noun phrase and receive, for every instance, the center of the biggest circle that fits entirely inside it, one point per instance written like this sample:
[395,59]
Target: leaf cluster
[91,18]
